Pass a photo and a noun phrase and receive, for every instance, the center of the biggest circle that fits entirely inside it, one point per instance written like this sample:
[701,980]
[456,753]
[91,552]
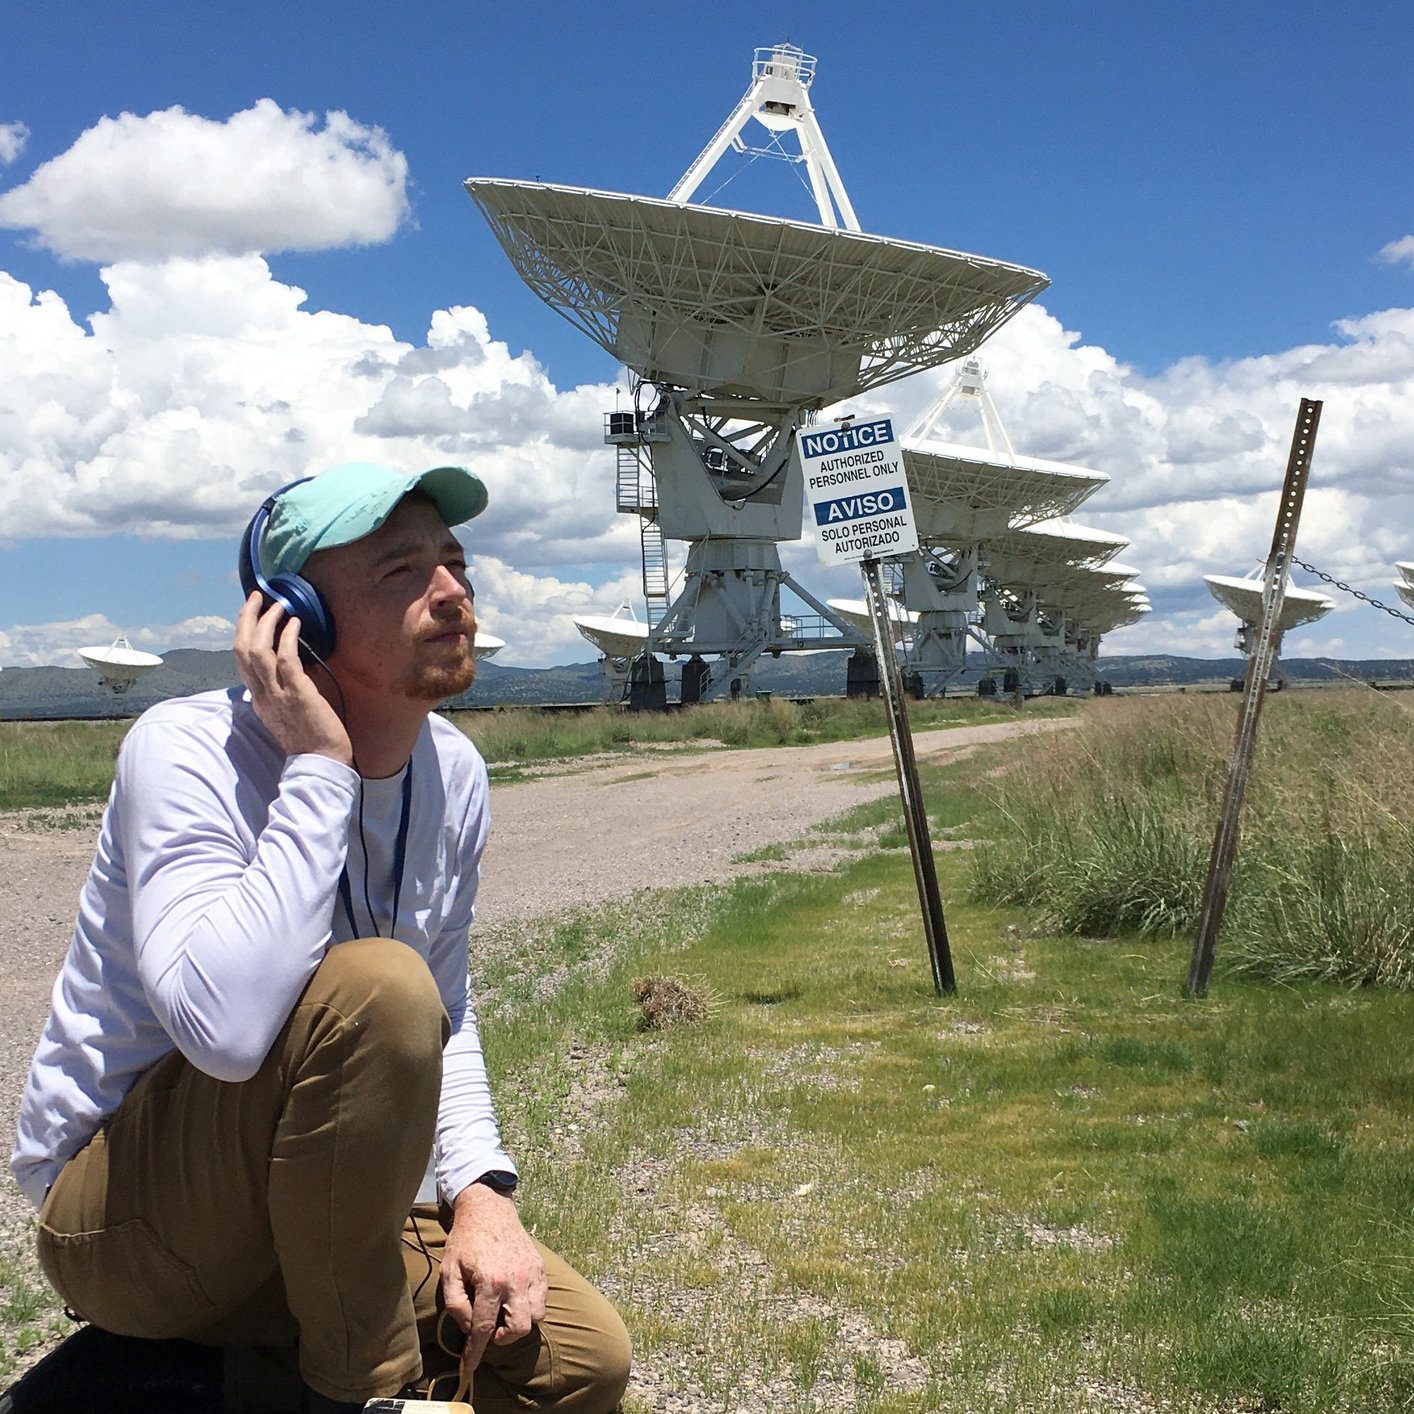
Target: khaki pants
[275,1211]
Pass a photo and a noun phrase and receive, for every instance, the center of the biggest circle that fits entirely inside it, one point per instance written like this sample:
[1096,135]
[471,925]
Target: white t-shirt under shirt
[213,897]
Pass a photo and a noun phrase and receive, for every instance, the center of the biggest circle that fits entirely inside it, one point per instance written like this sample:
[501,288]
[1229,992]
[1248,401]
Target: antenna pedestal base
[729,609]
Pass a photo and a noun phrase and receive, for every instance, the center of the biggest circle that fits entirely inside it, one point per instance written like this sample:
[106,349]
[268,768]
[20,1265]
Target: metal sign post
[859,501]
[1259,667]
[915,817]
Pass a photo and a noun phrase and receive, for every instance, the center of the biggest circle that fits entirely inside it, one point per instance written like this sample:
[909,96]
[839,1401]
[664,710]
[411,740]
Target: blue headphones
[292,592]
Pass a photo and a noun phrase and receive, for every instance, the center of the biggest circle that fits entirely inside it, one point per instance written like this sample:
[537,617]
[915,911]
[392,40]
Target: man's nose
[446,585]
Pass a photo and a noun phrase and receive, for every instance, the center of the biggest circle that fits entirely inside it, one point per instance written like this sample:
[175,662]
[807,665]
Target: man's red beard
[436,684]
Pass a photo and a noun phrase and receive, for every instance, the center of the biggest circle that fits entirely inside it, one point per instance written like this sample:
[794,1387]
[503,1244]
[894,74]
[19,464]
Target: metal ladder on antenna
[638,494]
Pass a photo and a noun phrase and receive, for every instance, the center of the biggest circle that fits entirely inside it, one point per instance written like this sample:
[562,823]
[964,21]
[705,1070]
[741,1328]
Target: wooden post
[1259,666]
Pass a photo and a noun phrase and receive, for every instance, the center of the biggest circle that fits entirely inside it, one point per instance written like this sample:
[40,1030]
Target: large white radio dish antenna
[614,635]
[620,638]
[119,665]
[487,645]
[964,494]
[743,326]
[1244,598]
[1024,555]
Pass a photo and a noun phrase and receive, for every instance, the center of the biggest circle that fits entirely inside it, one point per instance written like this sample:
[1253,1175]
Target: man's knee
[592,1351]
[605,1388]
[385,986]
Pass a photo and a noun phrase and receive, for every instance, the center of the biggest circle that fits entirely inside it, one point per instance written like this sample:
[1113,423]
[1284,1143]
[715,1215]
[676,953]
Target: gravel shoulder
[560,841]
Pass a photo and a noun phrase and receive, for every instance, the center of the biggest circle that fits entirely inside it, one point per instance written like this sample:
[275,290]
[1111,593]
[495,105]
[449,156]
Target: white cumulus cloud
[206,383]
[57,644]
[1397,251]
[173,183]
[535,613]
[13,137]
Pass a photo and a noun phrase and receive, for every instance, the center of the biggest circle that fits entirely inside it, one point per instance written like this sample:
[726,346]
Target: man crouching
[264,1025]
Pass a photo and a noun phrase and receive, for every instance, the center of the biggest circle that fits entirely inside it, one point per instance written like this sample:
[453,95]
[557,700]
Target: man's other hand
[284,696]
[493,1278]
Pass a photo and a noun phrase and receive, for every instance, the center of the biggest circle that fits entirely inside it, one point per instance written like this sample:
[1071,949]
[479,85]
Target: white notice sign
[856,491]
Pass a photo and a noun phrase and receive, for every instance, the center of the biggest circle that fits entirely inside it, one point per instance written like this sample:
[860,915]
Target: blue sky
[1209,187]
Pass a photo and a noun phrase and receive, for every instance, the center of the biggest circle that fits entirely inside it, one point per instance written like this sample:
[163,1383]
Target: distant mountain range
[51,693]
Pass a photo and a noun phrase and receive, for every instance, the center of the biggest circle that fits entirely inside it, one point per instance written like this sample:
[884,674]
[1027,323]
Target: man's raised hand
[284,696]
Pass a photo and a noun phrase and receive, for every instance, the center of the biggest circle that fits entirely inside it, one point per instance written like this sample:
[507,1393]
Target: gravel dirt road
[583,835]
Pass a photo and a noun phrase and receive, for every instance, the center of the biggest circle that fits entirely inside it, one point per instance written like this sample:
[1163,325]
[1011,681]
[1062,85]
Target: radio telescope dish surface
[1406,569]
[612,634]
[1057,581]
[1030,555]
[487,645]
[119,665]
[1084,586]
[1244,598]
[856,611]
[964,494]
[1119,612]
[1406,590]
[730,304]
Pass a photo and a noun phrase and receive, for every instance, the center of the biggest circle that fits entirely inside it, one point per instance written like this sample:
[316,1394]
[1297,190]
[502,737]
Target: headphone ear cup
[300,599]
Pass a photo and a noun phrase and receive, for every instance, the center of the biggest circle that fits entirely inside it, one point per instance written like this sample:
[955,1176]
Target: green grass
[1109,829]
[1064,1189]
[57,763]
[30,1315]
[71,763]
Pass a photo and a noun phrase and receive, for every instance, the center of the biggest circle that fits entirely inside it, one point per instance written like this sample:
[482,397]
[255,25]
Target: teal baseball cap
[347,502]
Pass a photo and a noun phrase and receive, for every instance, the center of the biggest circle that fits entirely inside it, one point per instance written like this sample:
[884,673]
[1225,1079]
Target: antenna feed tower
[779,99]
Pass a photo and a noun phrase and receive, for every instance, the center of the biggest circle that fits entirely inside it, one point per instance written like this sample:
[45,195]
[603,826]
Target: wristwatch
[501,1181]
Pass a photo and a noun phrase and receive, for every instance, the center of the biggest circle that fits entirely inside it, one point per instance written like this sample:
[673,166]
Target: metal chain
[1350,589]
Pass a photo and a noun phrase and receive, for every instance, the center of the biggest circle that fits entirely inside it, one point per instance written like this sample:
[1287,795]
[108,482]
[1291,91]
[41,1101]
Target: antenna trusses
[726,304]
[970,384]
[779,99]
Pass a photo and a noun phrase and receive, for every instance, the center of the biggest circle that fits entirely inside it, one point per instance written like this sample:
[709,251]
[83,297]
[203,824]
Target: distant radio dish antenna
[487,645]
[1244,598]
[620,638]
[119,665]
[1405,583]
[978,578]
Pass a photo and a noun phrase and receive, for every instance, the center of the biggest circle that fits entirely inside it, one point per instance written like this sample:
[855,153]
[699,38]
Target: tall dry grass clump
[1108,829]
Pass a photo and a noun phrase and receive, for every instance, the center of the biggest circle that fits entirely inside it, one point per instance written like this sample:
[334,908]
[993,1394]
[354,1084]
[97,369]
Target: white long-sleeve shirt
[214,895]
